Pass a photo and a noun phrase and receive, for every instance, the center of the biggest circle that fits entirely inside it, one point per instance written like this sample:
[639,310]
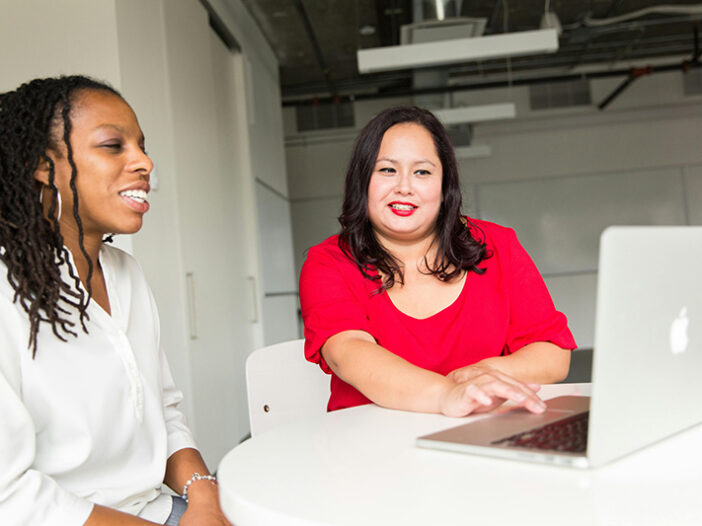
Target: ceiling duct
[435,9]
[437,21]
[437,31]
[437,36]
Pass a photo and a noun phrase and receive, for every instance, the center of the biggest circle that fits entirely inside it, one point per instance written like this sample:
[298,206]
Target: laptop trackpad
[511,422]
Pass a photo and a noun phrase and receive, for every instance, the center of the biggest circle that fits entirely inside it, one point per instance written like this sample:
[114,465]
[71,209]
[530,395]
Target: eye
[422,172]
[388,170]
[116,146]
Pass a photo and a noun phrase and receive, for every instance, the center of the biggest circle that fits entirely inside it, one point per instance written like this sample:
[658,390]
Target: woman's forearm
[383,377]
[392,382]
[538,362]
[203,498]
[180,468]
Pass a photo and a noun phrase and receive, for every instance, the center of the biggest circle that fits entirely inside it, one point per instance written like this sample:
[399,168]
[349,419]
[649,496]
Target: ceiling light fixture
[366,30]
[409,56]
[472,114]
[440,9]
[472,152]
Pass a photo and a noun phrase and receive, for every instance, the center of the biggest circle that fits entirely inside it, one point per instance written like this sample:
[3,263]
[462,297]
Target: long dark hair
[457,249]
[35,118]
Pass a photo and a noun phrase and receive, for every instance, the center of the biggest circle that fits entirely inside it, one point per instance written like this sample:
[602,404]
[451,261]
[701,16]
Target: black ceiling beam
[390,16]
[315,45]
[494,17]
[612,8]
[410,92]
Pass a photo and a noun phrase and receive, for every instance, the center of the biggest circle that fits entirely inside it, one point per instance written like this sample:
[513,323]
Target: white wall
[142,56]
[34,32]
[557,176]
[207,135]
[277,286]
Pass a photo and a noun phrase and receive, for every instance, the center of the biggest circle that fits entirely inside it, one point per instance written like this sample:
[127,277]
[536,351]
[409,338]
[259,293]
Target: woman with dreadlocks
[89,428]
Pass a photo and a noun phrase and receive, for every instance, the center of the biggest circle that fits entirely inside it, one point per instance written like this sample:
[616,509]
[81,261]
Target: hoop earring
[58,199]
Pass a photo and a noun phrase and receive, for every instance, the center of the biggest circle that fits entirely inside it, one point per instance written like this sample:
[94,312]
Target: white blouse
[92,419]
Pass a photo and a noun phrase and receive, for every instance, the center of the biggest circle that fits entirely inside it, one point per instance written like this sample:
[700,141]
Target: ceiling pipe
[315,45]
[491,85]
[301,93]
[637,73]
[634,74]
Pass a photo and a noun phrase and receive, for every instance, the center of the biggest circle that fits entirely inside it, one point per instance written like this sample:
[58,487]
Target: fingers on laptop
[488,391]
[520,394]
[468,372]
[464,374]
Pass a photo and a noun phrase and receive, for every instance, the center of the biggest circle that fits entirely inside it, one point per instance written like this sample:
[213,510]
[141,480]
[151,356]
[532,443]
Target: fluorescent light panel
[472,152]
[457,50]
[488,112]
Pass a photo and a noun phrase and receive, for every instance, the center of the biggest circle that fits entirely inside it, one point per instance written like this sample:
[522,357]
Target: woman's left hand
[203,497]
[199,516]
[463,374]
[203,506]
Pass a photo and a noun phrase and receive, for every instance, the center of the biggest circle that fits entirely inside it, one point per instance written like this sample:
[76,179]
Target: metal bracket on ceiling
[636,73]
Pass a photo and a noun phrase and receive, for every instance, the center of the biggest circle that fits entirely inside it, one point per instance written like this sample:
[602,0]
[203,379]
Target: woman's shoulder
[8,301]
[488,232]
[13,331]
[328,250]
[328,263]
[6,290]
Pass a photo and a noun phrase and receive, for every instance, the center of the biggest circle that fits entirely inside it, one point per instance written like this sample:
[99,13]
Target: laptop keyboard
[568,434]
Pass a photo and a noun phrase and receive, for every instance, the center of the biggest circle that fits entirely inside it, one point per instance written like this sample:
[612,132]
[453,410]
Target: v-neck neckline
[94,306]
[451,306]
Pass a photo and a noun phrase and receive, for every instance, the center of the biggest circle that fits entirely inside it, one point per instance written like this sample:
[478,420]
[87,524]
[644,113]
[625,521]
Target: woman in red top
[413,306]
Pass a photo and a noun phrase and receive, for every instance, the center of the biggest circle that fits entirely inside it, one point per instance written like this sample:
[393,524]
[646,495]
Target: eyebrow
[419,161]
[119,129]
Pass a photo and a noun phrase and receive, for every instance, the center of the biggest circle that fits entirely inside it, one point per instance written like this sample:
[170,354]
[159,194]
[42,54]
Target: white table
[360,467]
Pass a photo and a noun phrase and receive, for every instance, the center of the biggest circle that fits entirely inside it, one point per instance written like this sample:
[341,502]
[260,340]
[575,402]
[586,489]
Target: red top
[498,312]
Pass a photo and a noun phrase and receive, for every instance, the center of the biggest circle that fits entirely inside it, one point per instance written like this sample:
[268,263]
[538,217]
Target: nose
[142,163]
[404,183]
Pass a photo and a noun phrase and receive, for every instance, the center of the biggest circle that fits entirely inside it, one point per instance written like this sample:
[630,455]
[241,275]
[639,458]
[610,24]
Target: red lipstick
[402,209]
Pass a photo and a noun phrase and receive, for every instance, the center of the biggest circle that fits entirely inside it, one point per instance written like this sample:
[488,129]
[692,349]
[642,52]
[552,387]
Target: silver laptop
[647,365]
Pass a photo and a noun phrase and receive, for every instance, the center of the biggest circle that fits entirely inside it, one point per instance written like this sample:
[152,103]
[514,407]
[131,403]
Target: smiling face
[404,193]
[113,169]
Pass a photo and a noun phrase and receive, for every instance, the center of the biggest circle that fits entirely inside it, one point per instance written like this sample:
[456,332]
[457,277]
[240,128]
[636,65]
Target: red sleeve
[533,317]
[332,297]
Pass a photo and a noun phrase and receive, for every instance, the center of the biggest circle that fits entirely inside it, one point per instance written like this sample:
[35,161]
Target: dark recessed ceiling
[339,27]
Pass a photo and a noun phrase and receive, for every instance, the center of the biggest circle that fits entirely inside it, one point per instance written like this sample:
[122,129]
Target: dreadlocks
[33,119]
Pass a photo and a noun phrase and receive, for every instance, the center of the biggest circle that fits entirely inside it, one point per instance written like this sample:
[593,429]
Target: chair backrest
[283,387]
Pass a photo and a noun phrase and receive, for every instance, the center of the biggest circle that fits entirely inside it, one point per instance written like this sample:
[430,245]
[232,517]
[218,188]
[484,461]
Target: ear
[41,174]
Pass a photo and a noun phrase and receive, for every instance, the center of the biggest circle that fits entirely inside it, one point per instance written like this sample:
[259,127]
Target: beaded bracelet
[196,476]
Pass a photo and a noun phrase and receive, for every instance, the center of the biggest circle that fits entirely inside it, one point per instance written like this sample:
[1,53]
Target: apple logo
[678,332]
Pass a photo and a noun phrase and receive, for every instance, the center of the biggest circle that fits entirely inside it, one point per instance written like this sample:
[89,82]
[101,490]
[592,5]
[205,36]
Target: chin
[127,229]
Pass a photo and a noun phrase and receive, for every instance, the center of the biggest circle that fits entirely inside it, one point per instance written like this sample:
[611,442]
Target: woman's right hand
[487,390]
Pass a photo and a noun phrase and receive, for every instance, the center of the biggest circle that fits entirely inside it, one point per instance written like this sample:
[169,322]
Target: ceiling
[316,41]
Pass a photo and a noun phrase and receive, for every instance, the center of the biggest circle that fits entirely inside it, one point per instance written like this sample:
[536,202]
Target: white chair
[282,386]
